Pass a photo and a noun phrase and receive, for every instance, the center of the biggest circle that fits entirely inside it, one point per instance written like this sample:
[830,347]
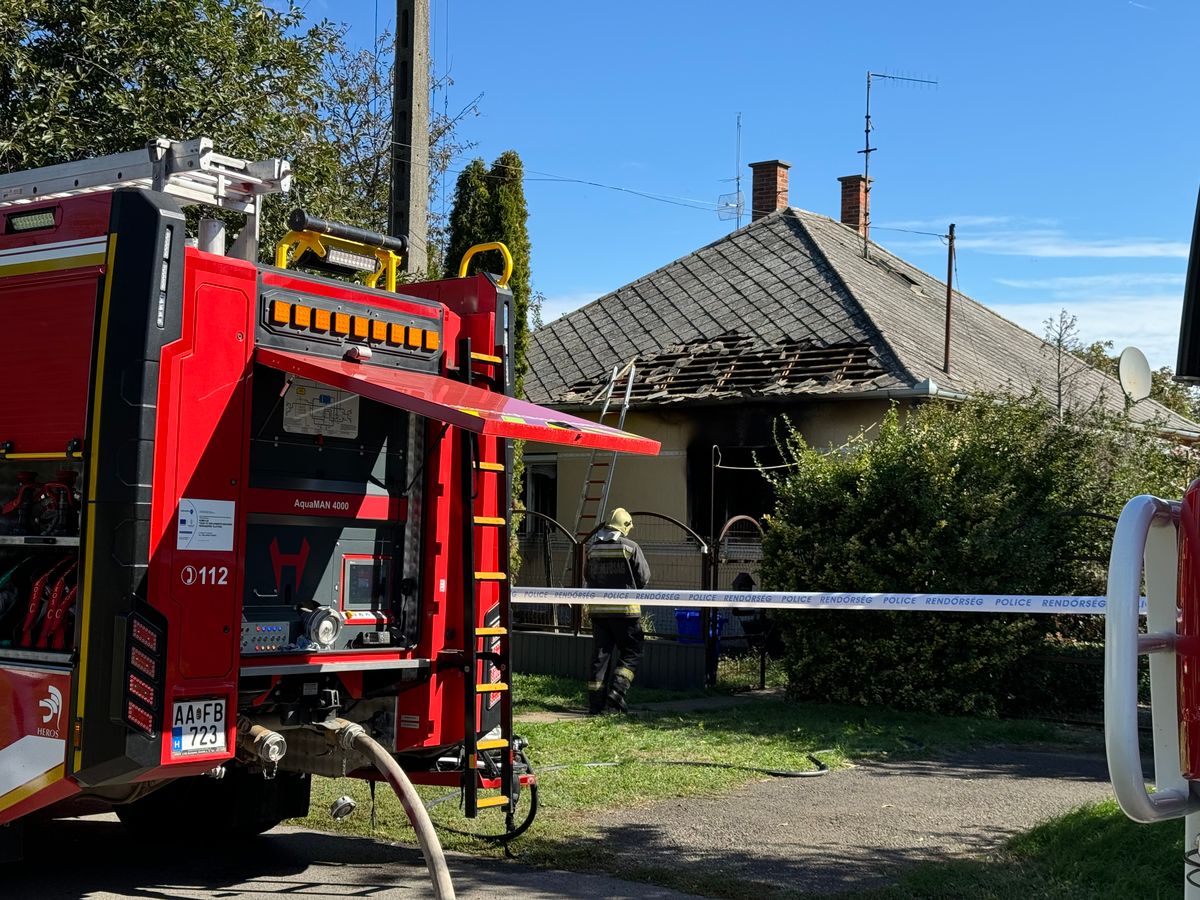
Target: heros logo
[52,704]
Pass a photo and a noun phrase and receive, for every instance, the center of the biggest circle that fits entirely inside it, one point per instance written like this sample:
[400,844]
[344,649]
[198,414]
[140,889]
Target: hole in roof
[733,365]
[903,277]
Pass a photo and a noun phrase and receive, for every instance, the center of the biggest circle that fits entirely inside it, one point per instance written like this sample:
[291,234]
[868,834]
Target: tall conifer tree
[509,225]
[470,217]
[489,205]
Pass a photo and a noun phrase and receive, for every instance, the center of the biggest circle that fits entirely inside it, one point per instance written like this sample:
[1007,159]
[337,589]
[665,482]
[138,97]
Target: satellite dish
[1134,373]
[731,206]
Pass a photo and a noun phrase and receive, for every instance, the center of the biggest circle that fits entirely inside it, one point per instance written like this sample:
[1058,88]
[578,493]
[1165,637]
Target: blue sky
[1061,137]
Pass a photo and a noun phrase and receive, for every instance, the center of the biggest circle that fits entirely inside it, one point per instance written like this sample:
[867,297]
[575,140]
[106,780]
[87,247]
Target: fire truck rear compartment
[302,553]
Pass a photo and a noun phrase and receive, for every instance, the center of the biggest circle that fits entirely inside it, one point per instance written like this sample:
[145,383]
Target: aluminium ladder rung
[495,744]
[494,687]
[190,170]
[491,632]
[484,802]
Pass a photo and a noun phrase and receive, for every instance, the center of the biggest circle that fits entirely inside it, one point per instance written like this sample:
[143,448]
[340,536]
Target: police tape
[983,603]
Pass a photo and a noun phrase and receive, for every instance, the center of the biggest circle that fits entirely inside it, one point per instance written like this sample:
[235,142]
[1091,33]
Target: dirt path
[855,829]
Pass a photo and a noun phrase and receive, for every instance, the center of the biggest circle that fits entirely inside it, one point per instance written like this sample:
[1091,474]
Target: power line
[911,231]
[534,175]
[688,202]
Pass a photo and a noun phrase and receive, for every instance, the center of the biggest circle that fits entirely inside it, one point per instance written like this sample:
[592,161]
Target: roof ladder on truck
[191,171]
[593,499]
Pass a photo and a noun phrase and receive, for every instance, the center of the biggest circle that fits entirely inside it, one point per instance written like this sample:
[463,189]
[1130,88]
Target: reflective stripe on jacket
[614,562]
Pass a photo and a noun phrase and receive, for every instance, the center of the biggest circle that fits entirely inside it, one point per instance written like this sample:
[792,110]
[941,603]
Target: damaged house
[785,316]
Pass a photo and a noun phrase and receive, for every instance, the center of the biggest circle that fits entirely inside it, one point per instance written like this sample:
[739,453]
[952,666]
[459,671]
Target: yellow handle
[479,248]
[299,241]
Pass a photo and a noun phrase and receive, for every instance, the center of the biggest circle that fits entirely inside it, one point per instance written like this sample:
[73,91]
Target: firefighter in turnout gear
[614,562]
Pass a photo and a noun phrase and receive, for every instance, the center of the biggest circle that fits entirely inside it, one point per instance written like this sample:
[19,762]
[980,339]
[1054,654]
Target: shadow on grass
[559,693]
[863,732]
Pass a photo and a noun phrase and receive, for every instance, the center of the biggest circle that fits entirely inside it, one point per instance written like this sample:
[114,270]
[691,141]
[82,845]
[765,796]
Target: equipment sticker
[310,407]
[205,525]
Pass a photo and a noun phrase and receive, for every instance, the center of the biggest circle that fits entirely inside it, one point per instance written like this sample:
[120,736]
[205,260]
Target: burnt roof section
[767,282]
[734,365]
[796,279]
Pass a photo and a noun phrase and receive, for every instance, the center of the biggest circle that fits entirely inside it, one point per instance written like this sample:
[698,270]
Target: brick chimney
[856,203]
[770,187]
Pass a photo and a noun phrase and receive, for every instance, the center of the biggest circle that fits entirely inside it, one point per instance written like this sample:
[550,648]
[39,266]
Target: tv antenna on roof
[732,206]
[868,149]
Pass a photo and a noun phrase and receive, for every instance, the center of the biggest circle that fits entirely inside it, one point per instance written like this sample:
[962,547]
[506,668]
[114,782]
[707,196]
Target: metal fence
[550,557]
[678,560]
[745,639]
[736,642]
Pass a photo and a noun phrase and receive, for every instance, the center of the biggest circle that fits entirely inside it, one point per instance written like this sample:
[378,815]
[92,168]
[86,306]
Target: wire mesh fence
[738,643]
[679,561]
[549,558]
[746,639]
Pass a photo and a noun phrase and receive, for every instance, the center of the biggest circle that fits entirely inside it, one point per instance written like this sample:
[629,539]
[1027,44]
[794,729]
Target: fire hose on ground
[531,813]
[350,736]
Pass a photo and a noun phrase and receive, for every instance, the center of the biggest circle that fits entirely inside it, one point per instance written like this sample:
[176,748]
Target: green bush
[932,662]
[1061,678]
[992,495]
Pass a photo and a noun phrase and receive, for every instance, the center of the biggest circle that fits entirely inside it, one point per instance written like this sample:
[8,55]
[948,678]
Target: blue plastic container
[687,623]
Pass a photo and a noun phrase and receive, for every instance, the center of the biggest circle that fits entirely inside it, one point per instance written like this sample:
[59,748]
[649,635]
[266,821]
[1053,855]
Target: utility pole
[408,207]
[949,294]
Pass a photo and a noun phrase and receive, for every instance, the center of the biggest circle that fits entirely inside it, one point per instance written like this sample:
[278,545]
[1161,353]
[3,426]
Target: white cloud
[1150,323]
[1054,243]
[1069,286]
[1017,236]
[940,223]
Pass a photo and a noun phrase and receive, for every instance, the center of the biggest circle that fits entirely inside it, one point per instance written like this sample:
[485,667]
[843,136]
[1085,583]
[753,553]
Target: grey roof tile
[795,276]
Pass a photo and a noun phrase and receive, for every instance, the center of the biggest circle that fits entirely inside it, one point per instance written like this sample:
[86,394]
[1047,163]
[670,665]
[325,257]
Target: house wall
[656,483]
[668,484]
[828,425]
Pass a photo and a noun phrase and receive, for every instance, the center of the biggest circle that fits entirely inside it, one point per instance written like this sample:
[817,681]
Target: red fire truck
[1157,546]
[254,521]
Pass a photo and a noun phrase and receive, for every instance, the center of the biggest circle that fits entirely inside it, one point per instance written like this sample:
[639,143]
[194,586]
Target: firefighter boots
[620,686]
[596,699]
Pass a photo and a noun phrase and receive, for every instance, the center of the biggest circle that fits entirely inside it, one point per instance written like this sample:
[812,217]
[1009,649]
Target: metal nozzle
[267,745]
[342,807]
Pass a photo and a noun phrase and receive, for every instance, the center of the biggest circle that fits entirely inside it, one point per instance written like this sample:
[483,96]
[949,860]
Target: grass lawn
[768,733]
[1090,852]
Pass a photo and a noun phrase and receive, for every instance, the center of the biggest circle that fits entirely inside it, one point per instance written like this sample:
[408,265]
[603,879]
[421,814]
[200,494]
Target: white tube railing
[1144,519]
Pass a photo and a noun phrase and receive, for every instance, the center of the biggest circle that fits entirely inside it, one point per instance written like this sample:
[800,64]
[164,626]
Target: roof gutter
[1191,436]
[922,390]
[930,389]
